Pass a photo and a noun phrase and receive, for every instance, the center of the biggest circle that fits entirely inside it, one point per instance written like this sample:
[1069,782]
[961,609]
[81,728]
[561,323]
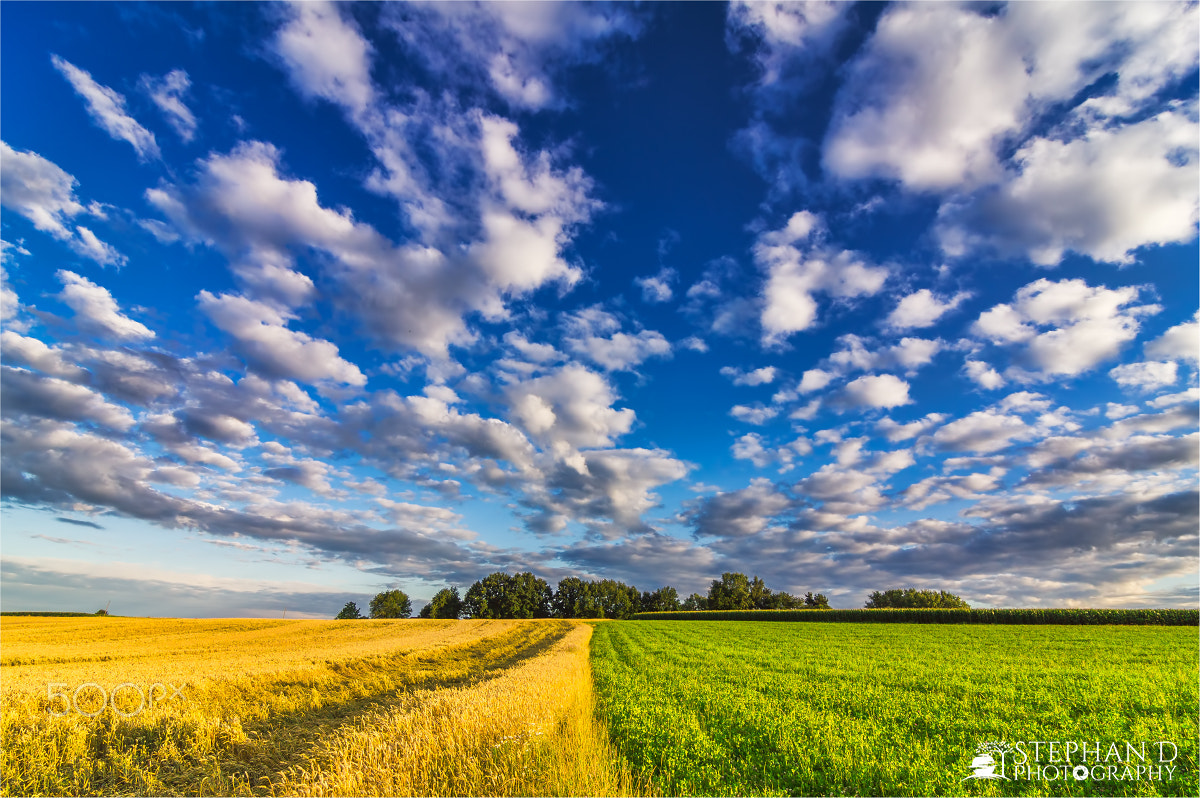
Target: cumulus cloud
[922,309]
[409,295]
[759,376]
[982,432]
[38,190]
[932,110]
[29,394]
[939,113]
[757,414]
[568,409]
[618,351]
[96,311]
[983,375]
[264,339]
[107,109]
[1181,342]
[1103,195]
[657,288]
[796,273]
[519,51]
[1145,376]
[44,194]
[740,513]
[875,390]
[167,93]
[1086,326]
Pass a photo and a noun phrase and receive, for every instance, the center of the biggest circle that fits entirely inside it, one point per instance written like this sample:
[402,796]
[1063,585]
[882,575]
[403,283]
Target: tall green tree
[445,603]
[665,599]
[730,592]
[616,599]
[817,602]
[391,604]
[570,599]
[694,602]
[349,612]
[911,597]
[500,595]
[760,597]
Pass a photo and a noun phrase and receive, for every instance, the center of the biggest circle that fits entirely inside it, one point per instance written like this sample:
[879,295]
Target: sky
[304,302]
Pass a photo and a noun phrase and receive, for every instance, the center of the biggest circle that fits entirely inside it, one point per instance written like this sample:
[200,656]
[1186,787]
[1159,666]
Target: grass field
[760,708]
[300,708]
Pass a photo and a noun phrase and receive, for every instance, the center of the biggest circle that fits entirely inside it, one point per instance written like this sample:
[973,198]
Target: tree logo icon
[984,763]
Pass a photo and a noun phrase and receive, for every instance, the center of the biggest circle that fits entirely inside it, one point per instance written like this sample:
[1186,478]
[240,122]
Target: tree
[817,602]
[730,592]
[446,603]
[665,599]
[760,597]
[616,599]
[391,604]
[349,613]
[935,599]
[500,595]
[570,600]
[694,602]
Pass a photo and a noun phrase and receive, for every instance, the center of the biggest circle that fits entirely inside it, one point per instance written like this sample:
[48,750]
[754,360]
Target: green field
[762,708]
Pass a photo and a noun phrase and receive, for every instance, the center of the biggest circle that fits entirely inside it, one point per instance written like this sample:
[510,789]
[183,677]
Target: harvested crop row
[257,696]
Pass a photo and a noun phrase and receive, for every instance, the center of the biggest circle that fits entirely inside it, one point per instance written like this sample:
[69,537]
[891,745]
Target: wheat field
[254,707]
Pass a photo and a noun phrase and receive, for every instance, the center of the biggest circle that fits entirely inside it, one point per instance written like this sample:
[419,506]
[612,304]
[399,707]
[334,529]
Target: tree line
[502,595]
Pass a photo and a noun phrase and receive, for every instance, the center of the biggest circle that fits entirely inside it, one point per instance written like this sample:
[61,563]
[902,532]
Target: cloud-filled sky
[301,302]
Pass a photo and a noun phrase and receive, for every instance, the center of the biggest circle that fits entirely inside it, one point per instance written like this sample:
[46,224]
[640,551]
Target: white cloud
[519,50]
[107,109]
[694,343]
[760,376]
[657,288]
[756,414]
[89,246]
[750,447]
[895,432]
[264,339]
[38,190]
[167,93]
[568,409]
[1103,195]
[796,275]
[96,311]
[922,309]
[882,390]
[325,56]
[533,352]
[983,375]
[622,351]
[410,295]
[1114,411]
[939,89]
[1088,326]
[1146,375]
[1181,342]
[982,432]
[925,100]
[1183,397]
[49,397]
[815,380]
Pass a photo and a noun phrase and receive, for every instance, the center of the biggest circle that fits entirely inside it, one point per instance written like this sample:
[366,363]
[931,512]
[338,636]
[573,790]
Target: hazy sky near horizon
[302,302]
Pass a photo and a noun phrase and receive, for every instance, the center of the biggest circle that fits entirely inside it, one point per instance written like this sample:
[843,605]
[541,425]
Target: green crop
[729,708]
[1057,616]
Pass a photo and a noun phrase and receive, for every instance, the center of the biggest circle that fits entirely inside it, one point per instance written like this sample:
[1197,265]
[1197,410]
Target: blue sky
[303,302]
